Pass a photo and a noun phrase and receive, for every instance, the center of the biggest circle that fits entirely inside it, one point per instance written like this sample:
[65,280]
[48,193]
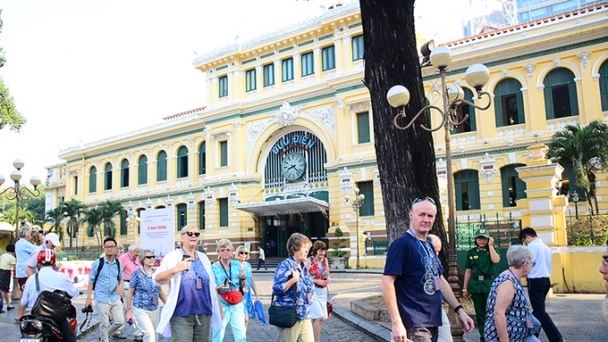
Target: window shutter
[506,199]
[498,105]
[202,152]
[363,127]
[521,114]
[548,102]
[573,98]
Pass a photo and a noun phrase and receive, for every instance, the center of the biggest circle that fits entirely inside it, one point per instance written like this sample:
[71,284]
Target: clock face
[294,166]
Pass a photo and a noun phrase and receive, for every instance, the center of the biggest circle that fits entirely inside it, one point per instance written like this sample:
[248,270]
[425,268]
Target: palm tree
[72,210]
[54,217]
[585,150]
[93,217]
[110,209]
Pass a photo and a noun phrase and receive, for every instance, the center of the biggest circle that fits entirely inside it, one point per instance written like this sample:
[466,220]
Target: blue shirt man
[108,290]
[413,284]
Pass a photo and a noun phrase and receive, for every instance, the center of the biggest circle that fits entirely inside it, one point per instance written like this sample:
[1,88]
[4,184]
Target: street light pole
[355,204]
[477,75]
[575,199]
[17,192]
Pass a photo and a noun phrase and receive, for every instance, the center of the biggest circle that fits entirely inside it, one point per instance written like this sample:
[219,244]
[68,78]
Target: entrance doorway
[278,229]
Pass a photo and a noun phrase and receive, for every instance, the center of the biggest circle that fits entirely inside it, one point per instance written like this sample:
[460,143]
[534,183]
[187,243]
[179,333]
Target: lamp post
[18,192]
[476,76]
[575,199]
[356,203]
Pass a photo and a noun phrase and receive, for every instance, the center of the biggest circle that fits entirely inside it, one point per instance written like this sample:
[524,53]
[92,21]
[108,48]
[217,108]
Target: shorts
[22,282]
[5,280]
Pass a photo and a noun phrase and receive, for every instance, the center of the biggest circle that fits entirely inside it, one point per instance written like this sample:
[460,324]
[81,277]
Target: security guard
[480,274]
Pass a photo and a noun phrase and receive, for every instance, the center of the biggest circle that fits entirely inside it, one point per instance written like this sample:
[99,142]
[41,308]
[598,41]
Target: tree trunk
[406,159]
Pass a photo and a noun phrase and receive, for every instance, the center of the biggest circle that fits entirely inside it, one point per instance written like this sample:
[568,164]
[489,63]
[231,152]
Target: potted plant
[338,260]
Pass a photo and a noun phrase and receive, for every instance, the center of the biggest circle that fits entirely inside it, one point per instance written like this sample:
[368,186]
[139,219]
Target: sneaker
[138,338]
[119,336]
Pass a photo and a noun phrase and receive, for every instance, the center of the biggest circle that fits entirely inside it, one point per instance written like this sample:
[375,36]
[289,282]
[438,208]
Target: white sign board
[158,230]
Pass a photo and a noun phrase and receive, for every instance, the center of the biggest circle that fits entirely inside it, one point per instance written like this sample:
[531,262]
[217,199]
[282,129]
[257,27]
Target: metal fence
[587,230]
[505,231]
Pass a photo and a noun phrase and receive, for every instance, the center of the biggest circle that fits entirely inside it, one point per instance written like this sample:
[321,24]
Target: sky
[86,70]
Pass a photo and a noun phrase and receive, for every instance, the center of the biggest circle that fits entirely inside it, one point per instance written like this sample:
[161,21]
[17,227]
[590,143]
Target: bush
[338,245]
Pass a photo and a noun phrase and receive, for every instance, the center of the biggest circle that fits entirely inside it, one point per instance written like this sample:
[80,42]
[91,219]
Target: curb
[365,326]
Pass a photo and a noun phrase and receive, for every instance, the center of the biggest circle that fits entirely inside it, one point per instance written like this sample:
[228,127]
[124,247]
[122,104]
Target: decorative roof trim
[188,112]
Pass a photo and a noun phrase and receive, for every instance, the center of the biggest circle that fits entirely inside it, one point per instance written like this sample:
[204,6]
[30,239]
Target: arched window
[466,183]
[182,162]
[202,159]
[93,180]
[108,177]
[513,188]
[509,103]
[604,85]
[161,166]
[124,173]
[142,170]
[560,94]
[182,216]
[463,109]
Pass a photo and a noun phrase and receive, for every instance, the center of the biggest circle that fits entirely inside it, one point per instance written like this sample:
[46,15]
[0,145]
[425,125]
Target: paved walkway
[576,315]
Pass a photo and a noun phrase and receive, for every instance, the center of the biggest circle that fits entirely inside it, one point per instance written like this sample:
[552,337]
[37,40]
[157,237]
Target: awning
[287,206]
[6,228]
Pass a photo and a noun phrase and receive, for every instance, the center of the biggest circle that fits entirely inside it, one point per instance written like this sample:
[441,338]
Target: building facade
[287,132]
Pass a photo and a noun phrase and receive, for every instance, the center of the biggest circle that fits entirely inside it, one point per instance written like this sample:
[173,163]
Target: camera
[88,309]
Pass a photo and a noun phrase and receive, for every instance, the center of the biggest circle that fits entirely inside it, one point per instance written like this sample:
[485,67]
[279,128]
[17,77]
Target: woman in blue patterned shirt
[145,294]
[507,302]
[294,271]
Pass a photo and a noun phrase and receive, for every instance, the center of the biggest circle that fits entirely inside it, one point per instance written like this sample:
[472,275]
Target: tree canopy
[585,151]
[9,116]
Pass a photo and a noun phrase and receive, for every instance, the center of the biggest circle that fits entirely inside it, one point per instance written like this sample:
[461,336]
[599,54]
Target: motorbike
[44,329]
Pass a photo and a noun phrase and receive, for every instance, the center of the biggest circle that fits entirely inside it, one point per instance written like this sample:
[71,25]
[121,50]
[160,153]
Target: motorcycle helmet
[47,257]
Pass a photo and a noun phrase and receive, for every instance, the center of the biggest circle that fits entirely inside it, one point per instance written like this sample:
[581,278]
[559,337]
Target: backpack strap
[119,268]
[37,284]
[99,267]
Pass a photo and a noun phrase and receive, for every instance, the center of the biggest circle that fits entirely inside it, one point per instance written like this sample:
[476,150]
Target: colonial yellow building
[287,133]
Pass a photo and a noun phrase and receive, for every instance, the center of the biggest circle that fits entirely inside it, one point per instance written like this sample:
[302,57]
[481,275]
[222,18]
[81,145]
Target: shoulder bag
[283,316]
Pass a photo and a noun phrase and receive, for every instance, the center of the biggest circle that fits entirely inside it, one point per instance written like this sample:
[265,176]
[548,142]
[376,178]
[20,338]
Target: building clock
[293,166]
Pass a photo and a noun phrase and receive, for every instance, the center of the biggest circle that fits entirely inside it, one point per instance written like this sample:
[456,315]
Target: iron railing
[587,230]
[505,231]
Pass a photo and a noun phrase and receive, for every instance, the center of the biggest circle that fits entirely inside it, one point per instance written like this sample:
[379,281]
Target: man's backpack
[54,305]
[102,261]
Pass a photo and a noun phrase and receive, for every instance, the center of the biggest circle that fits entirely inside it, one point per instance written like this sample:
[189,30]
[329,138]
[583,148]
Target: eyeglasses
[192,233]
[225,250]
[423,198]
[109,247]
[150,257]
[244,253]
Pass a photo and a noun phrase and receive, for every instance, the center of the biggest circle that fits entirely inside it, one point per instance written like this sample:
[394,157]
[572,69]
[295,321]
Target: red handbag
[232,297]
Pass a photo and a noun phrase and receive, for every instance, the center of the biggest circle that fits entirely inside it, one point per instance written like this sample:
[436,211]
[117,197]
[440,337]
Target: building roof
[523,26]
[188,112]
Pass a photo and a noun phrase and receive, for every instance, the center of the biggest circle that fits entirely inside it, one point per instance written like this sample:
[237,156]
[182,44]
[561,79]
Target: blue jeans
[537,290]
[235,315]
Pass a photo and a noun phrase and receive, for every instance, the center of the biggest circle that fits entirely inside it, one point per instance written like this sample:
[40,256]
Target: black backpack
[100,266]
[55,305]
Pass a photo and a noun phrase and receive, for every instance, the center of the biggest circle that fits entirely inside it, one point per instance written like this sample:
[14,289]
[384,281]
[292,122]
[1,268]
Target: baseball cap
[53,238]
[482,232]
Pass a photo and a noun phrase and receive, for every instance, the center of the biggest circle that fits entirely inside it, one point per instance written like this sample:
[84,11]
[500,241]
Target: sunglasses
[423,198]
[150,257]
[244,253]
[192,233]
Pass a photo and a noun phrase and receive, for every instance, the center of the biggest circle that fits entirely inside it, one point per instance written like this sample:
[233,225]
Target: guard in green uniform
[480,274]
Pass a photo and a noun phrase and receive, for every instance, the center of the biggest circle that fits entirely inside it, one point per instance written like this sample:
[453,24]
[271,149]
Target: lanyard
[229,275]
[133,260]
[517,279]
[425,247]
[195,255]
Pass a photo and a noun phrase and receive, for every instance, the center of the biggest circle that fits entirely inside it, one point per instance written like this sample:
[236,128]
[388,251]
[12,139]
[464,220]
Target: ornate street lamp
[17,192]
[575,199]
[356,203]
[476,76]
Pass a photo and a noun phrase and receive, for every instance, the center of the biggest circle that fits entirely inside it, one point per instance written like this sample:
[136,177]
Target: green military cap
[482,232]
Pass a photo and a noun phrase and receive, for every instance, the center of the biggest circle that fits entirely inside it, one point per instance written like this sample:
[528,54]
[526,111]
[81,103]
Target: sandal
[9,308]
[17,321]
